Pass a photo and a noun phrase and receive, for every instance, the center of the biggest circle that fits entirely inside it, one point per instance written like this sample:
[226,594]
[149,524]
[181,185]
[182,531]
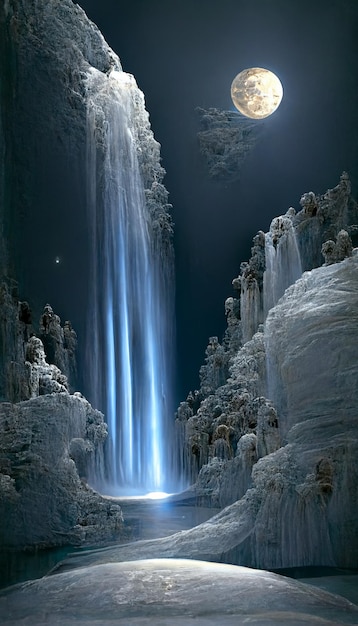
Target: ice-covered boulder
[47,448]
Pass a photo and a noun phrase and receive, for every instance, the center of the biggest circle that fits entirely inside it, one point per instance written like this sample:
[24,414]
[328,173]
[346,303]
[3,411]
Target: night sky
[184,54]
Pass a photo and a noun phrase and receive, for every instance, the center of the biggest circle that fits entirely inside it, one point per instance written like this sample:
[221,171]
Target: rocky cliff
[51,56]
[85,216]
[51,59]
[235,406]
[51,440]
[272,425]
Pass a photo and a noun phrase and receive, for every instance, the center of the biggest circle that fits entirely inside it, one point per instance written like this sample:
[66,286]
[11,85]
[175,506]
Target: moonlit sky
[185,54]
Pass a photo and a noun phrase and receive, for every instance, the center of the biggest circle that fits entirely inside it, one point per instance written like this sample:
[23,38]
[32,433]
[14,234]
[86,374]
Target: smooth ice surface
[171,592]
[128,352]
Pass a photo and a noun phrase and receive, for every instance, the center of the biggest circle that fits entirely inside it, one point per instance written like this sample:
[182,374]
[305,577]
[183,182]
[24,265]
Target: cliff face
[272,427]
[236,396]
[19,350]
[52,59]
[51,440]
[46,47]
[311,345]
[50,53]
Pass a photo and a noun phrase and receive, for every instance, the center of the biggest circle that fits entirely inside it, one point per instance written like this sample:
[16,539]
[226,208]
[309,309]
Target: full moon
[256,92]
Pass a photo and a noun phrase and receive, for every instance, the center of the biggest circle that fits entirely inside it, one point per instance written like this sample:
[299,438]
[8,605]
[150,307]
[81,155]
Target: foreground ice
[171,592]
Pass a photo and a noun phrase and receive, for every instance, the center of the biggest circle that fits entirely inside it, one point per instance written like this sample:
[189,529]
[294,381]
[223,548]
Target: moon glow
[256,92]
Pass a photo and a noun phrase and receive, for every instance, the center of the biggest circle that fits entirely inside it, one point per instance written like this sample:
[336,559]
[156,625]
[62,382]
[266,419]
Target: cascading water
[129,328]
[283,262]
[250,308]
[283,268]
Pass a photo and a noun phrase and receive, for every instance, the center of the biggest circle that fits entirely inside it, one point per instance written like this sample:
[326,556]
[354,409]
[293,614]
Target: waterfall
[251,308]
[283,263]
[128,337]
[283,268]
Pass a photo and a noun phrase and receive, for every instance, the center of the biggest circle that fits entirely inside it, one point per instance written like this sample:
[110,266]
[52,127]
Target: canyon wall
[272,427]
[271,435]
[54,67]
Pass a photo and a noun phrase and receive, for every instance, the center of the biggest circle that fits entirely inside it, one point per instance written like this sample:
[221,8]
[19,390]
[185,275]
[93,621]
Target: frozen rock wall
[46,446]
[278,436]
[30,365]
[51,441]
[15,330]
[52,58]
[295,241]
[312,351]
[48,50]
[308,488]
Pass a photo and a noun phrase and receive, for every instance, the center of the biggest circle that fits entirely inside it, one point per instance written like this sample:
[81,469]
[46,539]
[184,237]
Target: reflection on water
[144,519]
[16,567]
[150,519]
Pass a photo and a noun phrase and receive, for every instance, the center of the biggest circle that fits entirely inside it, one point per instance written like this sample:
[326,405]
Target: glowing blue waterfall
[128,334]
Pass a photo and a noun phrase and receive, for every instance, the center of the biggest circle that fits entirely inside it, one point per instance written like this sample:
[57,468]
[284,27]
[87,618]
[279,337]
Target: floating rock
[226,139]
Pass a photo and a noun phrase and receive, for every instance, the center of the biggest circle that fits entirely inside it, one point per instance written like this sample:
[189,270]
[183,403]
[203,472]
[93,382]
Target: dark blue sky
[184,54]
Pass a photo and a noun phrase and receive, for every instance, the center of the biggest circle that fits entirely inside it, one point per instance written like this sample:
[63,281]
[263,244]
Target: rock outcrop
[33,365]
[51,441]
[15,330]
[222,430]
[47,443]
[60,344]
[52,59]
